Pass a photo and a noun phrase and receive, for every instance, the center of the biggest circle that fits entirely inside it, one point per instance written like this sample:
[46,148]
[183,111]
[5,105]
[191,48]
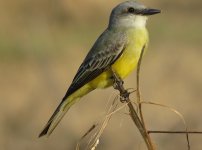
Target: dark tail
[56,117]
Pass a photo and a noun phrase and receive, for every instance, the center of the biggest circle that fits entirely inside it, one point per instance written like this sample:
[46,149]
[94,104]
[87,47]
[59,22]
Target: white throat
[140,21]
[133,21]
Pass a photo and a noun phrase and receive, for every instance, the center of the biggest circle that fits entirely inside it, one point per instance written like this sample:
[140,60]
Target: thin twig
[124,94]
[176,112]
[94,140]
[175,132]
[139,98]
[88,132]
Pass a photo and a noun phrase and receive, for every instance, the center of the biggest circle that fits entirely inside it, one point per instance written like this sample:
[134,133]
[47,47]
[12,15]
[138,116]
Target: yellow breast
[137,39]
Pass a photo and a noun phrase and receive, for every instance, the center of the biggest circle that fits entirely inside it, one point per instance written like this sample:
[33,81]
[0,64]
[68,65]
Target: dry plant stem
[176,112]
[94,141]
[88,132]
[139,98]
[124,94]
[176,132]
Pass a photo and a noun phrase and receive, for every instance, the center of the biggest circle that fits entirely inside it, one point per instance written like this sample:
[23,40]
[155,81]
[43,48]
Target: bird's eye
[131,10]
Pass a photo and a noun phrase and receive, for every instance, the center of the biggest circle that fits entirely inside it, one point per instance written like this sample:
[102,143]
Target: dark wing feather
[102,55]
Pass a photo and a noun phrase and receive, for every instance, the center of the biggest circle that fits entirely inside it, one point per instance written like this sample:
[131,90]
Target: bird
[117,50]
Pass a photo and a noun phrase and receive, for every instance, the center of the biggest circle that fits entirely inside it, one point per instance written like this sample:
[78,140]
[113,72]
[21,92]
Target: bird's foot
[124,96]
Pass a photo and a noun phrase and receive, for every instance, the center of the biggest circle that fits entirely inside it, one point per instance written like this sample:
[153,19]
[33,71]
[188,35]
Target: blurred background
[42,44]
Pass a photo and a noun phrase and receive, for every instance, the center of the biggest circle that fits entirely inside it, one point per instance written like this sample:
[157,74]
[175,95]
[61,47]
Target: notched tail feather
[55,118]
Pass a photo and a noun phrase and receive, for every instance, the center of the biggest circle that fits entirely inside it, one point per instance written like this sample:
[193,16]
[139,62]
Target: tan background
[42,43]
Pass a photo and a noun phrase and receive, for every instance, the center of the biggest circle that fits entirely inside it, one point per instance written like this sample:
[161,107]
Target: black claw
[118,84]
[122,82]
[115,85]
[124,97]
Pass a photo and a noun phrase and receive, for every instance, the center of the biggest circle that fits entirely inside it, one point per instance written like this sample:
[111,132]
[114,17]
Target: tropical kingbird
[118,48]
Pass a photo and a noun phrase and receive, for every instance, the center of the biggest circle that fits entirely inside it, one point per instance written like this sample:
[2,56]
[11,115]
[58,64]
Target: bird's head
[130,14]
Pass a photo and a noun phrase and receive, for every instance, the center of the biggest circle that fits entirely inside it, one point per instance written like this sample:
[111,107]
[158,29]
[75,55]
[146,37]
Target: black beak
[148,12]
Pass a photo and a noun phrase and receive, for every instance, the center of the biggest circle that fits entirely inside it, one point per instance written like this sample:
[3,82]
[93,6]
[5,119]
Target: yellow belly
[137,39]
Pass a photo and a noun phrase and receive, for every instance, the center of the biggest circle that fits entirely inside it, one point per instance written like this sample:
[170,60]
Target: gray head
[130,14]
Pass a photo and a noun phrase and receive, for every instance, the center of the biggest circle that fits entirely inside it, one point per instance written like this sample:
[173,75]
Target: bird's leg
[118,84]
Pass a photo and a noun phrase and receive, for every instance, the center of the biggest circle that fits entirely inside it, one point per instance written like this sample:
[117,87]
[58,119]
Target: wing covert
[106,50]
